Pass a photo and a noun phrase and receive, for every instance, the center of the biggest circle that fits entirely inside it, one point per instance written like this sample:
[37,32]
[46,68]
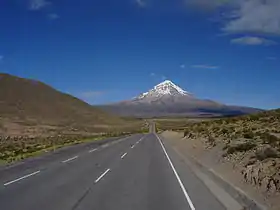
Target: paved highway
[139,172]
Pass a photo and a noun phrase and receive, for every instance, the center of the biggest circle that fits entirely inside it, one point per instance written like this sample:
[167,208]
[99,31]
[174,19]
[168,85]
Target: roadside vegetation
[17,147]
[176,124]
[240,134]
[251,142]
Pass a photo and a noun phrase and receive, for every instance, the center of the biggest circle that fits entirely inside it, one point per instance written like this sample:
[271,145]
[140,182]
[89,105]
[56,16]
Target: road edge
[235,192]
[42,155]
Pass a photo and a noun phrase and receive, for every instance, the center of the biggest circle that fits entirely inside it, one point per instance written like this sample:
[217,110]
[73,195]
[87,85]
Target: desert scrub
[17,148]
[266,152]
[211,140]
[239,146]
[270,139]
[249,135]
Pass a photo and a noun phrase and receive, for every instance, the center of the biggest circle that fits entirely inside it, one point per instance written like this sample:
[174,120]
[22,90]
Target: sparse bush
[224,131]
[211,140]
[248,135]
[242,147]
[267,152]
[200,129]
[186,133]
[270,139]
[253,117]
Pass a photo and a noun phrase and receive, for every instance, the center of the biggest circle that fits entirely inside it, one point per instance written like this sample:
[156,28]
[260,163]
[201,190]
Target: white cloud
[256,16]
[202,66]
[152,74]
[141,3]
[182,66]
[249,16]
[38,4]
[53,16]
[251,40]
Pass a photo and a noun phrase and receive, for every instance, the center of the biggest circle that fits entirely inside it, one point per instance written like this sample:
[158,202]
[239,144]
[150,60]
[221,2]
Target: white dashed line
[177,176]
[105,145]
[137,142]
[93,150]
[102,175]
[73,158]
[24,177]
[123,155]
[142,138]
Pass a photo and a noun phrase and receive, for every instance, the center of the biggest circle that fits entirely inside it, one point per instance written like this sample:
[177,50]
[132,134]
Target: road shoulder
[227,193]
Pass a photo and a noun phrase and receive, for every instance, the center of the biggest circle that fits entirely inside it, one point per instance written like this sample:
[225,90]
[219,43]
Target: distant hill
[167,99]
[25,101]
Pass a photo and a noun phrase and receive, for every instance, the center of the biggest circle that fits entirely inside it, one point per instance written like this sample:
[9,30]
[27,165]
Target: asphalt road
[139,172]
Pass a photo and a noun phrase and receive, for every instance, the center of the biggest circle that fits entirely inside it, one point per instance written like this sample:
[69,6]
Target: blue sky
[104,51]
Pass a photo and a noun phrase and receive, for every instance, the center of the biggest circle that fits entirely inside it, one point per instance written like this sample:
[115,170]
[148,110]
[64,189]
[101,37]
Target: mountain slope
[167,99]
[24,99]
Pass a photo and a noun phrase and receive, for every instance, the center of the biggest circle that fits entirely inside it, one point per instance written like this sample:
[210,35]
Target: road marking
[142,138]
[73,158]
[24,177]
[105,145]
[177,176]
[102,175]
[123,155]
[93,150]
[137,142]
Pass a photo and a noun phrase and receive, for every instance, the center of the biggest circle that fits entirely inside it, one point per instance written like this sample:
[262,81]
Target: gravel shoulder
[231,172]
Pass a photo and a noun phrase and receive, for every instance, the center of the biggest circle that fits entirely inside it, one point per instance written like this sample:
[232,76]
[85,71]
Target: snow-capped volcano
[168,99]
[166,88]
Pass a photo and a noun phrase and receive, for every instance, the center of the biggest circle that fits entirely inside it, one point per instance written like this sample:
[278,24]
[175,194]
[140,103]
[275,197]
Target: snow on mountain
[167,99]
[165,88]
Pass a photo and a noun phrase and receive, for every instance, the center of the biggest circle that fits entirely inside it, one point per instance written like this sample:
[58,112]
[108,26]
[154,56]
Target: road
[139,172]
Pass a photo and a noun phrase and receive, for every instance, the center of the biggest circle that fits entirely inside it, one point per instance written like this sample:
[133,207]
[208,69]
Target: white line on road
[93,150]
[24,177]
[177,176]
[137,142]
[105,145]
[102,175]
[73,158]
[142,138]
[123,155]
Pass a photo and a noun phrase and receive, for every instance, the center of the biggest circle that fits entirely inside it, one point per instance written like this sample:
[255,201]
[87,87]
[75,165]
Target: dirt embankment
[253,169]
